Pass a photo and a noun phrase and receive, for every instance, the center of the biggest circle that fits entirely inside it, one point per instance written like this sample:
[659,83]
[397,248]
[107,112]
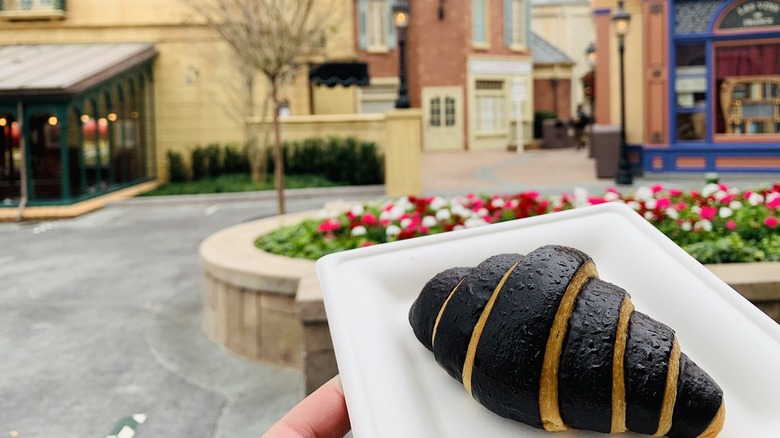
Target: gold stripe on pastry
[670,394]
[618,373]
[717,423]
[549,409]
[441,311]
[468,365]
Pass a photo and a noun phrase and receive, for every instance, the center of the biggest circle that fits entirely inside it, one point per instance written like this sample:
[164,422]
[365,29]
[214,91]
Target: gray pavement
[102,313]
[101,321]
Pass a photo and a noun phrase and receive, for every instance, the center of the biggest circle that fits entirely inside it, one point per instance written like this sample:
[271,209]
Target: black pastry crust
[425,309]
[698,401]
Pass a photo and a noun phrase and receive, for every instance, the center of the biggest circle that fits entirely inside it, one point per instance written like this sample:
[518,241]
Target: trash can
[605,142]
[555,134]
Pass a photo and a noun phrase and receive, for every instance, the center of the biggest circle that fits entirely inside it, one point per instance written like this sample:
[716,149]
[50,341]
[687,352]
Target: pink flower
[747,194]
[350,215]
[329,224]
[384,222]
[423,230]
[731,224]
[656,188]
[367,243]
[662,203]
[708,213]
[596,201]
[775,203]
[675,192]
[531,195]
[680,206]
[723,186]
[387,207]
[368,219]
[771,221]
[727,199]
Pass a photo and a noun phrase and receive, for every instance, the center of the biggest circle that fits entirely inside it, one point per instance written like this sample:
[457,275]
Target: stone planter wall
[269,308]
[263,306]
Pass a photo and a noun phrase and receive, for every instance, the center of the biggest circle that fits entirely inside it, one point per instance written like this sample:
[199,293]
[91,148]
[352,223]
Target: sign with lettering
[752,14]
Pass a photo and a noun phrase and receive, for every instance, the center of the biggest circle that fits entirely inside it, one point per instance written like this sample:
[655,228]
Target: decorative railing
[32,9]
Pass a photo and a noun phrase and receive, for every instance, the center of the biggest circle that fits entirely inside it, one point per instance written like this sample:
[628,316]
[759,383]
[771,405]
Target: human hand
[323,414]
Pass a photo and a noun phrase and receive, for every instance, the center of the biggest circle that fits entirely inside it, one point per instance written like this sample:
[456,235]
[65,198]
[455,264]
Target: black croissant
[542,340]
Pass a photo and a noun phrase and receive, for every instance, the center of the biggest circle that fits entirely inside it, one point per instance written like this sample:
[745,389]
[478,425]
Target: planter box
[269,308]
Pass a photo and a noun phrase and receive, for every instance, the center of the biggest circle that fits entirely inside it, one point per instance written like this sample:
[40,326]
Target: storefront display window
[691,91]
[748,77]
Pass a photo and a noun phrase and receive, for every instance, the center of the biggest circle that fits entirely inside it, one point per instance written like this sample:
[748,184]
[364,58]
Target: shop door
[443,118]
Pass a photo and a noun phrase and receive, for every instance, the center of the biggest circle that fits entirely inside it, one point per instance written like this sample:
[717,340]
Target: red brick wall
[544,100]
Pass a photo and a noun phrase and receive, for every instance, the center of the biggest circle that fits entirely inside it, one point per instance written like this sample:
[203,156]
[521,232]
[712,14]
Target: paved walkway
[101,314]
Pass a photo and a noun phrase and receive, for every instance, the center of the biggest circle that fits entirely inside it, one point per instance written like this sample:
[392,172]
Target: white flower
[406,222]
[649,215]
[725,212]
[643,193]
[755,199]
[772,196]
[704,224]
[696,209]
[384,215]
[482,212]
[634,205]
[441,215]
[720,194]
[359,230]
[438,203]
[397,211]
[672,213]
[357,210]
[392,230]
[710,189]
[650,204]
[686,226]
[581,195]
[474,222]
[611,196]
[514,203]
[497,203]
[429,221]
[735,205]
[556,200]
[457,227]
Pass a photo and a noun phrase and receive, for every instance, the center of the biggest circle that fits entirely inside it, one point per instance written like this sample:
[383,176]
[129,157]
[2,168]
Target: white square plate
[395,388]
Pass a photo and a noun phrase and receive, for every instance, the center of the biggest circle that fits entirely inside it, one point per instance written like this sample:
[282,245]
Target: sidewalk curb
[265,195]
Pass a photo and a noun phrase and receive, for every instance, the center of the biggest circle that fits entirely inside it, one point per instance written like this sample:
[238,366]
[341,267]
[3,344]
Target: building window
[518,23]
[376,29]
[691,91]
[449,111]
[490,106]
[479,22]
[379,97]
[748,78]
[436,111]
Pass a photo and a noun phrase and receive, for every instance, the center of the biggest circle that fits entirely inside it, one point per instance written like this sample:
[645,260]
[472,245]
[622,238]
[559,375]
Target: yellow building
[186,70]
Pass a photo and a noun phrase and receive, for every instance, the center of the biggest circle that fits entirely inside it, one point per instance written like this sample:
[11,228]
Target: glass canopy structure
[76,121]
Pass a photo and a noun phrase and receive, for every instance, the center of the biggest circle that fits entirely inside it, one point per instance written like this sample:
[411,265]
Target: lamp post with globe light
[401,18]
[621,20]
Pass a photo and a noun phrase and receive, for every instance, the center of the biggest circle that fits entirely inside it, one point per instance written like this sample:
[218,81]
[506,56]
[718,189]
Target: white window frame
[485,5]
[376,26]
[519,30]
[494,100]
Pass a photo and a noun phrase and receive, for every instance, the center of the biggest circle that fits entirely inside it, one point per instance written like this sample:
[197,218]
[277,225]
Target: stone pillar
[403,148]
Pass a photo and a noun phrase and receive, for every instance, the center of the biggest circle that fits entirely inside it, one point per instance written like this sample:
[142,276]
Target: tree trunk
[255,150]
[278,162]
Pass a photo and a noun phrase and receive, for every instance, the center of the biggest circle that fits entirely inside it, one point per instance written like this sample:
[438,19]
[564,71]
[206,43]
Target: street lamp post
[621,20]
[401,18]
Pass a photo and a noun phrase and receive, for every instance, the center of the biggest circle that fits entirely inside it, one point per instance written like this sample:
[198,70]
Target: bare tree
[270,37]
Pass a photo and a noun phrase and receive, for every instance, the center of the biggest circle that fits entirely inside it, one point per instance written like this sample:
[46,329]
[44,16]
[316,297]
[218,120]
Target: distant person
[581,122]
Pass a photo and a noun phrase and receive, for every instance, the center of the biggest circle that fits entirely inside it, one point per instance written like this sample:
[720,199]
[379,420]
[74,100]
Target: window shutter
[362,17]
[508,15]
[391,38]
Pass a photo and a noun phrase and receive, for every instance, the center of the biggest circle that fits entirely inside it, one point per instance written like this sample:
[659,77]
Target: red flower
[708,213]
[384,222]
[368,219]
[675,192]
[771,221]
[367,243]
[731,224]
[329,224]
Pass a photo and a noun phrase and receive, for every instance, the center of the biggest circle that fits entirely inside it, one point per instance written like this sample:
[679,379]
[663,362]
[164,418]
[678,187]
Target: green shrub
[214,160]
[341,160]
[199,163]
[235,159]
[177,171]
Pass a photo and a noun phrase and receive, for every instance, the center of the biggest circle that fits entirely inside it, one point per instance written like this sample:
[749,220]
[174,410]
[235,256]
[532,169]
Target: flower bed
[719,224]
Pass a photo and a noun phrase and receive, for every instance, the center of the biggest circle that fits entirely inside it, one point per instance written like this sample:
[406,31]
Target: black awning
[339,73]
